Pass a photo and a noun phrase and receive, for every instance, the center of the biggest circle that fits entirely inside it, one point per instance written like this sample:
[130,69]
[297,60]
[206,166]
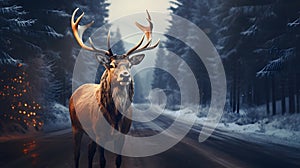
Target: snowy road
[55,150]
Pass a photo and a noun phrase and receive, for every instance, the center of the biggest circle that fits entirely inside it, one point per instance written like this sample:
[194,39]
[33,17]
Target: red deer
[114,94]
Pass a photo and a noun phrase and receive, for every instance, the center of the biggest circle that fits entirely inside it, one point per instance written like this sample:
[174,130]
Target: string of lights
[19,106]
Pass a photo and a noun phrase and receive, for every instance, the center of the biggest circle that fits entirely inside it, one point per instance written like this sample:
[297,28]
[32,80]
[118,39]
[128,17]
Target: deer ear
[136,59]
[102,60]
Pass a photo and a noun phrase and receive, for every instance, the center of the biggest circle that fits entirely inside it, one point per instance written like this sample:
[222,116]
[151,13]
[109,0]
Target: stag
[112,97]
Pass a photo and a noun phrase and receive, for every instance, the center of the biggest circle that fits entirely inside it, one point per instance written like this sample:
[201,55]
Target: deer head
[118,66]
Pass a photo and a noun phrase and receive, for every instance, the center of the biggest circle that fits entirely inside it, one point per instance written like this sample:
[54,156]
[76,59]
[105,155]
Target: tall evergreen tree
[42,48]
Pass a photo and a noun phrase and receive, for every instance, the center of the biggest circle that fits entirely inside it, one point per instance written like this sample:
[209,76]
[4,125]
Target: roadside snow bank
[253,122]
[283,129]
[59,118]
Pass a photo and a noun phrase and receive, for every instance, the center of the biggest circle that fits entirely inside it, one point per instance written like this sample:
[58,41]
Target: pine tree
[17,103]
[198,13]
[42,49]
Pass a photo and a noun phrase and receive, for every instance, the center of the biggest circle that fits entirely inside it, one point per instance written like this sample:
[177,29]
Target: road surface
[55,150]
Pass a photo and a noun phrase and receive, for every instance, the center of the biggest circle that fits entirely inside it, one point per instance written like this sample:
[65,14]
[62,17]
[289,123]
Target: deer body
[91,105]
[96,102]
[104,110]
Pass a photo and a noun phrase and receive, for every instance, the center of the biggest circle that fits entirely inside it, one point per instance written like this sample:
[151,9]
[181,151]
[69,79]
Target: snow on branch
[294,23]
[261,51]
[6,59]
[12,10]
[250,31]
[230,53]
[58,13]
[252,10]
[52,33]
[272,68]
[22,23]
[277,65]
[33,47]
[50,58]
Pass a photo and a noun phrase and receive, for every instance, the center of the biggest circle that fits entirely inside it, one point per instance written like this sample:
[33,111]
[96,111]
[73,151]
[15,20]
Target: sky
[123,14]
[119,8]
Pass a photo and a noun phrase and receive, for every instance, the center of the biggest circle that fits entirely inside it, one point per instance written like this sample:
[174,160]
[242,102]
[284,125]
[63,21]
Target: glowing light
[21,111]
[25,151]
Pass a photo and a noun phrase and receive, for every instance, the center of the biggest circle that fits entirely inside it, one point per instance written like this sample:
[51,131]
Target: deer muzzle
[124,78]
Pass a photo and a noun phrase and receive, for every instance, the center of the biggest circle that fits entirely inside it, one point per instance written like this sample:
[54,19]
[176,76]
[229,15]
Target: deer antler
[148,33]
[78,31]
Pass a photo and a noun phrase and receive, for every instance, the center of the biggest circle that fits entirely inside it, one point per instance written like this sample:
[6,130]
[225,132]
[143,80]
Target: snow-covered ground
[60,118]
[251,124]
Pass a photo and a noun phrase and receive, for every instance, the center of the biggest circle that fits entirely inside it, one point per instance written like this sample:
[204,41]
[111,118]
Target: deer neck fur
[114,100]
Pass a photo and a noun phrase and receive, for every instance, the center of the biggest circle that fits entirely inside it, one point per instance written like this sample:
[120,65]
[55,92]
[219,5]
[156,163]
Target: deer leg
[77,140]
[91,153]
[102,157]
[118,161]
[119,142]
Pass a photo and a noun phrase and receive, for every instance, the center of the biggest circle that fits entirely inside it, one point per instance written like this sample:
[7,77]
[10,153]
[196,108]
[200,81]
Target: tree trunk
[231,97]
[283,105]
[267,95]
[297,93]
[291,95]
[257,92]
[298,102]
[252,94]
[248,95]
[273,96]
[238,97]
[234,93]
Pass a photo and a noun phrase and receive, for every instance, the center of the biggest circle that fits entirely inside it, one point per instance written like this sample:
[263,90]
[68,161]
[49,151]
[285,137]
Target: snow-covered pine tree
[19,109]
[198,13]
[40,35]
[281,46]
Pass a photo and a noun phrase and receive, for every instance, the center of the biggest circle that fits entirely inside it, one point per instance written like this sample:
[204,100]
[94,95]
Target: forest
[258,41]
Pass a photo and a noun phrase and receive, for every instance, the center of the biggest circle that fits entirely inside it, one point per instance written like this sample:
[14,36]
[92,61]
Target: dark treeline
[37,57]
[258,42]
